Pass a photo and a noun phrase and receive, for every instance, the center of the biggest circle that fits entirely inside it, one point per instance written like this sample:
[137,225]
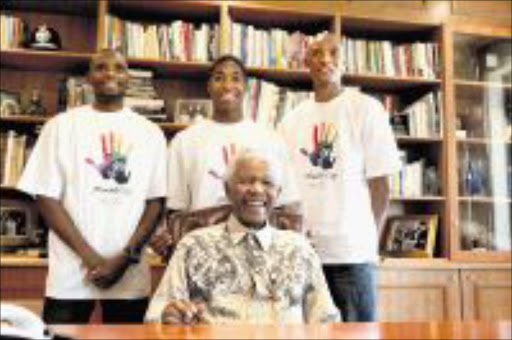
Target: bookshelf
[175,77]
[443,280]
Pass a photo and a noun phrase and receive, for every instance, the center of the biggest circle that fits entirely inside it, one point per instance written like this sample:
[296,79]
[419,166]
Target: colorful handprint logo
[324,136]
[114,162]
[228,153]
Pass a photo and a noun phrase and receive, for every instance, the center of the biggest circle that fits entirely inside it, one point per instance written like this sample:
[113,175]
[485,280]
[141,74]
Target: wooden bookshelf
[82,24]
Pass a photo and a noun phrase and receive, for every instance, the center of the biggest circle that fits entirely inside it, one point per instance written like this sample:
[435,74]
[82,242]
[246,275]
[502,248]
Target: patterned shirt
[244,276]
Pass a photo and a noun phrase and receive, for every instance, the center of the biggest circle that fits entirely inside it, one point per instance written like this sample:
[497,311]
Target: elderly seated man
[244,270]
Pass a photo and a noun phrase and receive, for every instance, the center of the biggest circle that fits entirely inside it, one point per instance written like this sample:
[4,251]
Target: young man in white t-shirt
[199,155]
[98,173]
[342,149]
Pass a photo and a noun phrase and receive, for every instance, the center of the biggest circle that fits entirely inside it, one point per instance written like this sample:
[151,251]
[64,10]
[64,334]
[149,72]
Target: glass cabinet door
[483,105]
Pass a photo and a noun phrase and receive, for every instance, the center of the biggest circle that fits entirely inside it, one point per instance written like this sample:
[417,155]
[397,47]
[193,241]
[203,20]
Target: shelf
[40,120]
[417,140]
[304,20]
[484,199]
[482,141]
[165,10]
[77,8]
[365,81]
[175,69]
[31,60]
[24,119]
[389,84]
[418,199]
[481,84]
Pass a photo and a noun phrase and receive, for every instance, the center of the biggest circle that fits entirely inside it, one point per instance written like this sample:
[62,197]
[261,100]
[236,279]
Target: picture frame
[18,223]
[409,236]
[189,111]
[10,104]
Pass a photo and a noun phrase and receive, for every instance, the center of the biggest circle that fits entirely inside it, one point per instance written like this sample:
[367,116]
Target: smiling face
[253,190]
[108,75]
[324,60]
[226,87]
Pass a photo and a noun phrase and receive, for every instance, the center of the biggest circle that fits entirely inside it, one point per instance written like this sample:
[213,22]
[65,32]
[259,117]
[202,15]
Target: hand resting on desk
[184,312]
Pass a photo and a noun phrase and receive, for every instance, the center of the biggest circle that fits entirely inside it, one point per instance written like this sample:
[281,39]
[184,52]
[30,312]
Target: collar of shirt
[237,232]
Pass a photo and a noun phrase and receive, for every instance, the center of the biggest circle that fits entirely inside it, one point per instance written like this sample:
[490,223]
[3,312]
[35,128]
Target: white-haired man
[244,270]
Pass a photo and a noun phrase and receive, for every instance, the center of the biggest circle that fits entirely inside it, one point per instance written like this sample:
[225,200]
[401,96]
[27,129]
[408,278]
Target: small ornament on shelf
[44,37]
[35,106]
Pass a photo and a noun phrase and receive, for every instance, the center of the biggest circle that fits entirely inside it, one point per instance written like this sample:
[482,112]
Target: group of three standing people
[100,174]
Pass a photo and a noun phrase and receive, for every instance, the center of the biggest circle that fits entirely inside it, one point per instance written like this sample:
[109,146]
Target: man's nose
[256,186]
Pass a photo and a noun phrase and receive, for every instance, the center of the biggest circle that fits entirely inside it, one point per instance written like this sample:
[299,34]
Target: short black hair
[227,57]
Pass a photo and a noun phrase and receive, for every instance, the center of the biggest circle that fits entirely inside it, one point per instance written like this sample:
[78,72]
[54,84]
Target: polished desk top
[376,330]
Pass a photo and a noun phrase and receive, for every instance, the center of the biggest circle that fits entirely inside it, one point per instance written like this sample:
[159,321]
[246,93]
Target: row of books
[422,118]
[270,48]
[13,31]
[178,40]
[408,182]
[267,103]
[417,59]
[14,151]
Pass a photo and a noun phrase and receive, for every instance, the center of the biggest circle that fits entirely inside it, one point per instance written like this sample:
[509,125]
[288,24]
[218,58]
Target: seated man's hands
[184,312]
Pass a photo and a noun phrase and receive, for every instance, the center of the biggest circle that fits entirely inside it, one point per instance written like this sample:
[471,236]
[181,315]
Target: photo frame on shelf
[409,236]
[189,111]
[17,223]
[9,103]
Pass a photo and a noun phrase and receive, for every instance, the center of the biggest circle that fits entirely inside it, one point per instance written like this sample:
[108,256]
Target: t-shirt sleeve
[380,150]
[178,196]
[43,173]
[158,183]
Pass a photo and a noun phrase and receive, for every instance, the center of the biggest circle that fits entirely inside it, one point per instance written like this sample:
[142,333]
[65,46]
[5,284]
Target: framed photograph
[9,103]
[409,236]
[189,111]
[17,223]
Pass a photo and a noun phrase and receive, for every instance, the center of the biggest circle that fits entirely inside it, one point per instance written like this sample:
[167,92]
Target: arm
[162,240]
[318,304]
[171,301]
[379,195]
[61,223]
[113,268]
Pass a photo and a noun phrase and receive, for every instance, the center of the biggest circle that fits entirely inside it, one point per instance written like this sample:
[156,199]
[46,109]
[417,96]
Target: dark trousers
[60,311]
[353,289]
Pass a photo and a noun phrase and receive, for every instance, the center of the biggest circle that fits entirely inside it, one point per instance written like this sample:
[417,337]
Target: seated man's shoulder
[204,234]
[292,240]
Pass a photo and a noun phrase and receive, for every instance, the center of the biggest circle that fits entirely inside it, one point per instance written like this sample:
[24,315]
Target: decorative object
[9,103]
[189,111]
[17,224]
[35,105]
[475,236]
[409,236]
[44,37]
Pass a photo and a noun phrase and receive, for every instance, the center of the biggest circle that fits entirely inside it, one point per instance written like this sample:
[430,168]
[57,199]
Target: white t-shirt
[102,167]
[198,158]
[336,147]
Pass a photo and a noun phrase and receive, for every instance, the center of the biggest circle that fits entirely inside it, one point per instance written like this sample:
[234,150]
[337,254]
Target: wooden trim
[102,18]
[450,150]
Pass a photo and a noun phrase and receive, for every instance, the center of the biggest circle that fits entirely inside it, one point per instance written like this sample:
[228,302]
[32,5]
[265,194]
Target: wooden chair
[178,224]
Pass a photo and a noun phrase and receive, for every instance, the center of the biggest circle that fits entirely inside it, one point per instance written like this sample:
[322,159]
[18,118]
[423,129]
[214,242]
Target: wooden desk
[377,330]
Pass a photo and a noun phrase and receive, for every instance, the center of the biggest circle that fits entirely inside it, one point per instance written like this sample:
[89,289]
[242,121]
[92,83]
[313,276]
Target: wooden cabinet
[479,91]
[443,290]
[418,292]
[487,293]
